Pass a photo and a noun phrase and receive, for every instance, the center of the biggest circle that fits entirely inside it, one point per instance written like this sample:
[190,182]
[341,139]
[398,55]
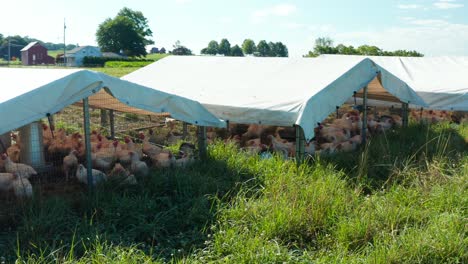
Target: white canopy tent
[30,94]
[442,82]
[272,91]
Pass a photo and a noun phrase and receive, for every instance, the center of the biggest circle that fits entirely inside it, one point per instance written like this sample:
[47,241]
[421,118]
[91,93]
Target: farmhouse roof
[33,93]
[272,91]
[75,50]
[30,45]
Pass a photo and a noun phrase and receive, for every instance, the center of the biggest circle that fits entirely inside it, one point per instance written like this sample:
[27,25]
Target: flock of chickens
[128,160]
[123,161]
[343,134]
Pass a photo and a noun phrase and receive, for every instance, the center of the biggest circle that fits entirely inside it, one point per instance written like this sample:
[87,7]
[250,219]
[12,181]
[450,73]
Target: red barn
[34,54]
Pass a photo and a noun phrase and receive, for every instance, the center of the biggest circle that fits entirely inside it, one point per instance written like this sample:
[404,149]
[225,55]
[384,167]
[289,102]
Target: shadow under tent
[33,96]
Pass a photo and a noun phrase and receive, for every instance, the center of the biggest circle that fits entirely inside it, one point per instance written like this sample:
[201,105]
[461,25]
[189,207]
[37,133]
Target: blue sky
[433,27]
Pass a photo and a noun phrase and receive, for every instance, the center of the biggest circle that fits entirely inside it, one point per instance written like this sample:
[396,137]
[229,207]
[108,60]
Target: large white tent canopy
[442,82]
[272,91]
[28,95]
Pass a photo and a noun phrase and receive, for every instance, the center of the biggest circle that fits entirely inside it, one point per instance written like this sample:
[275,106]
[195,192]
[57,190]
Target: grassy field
[113,71]
[54,53]
[402,199]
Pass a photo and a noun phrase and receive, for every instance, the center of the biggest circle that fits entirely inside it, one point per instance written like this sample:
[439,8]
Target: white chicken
[283,147]
[82,175]
[20,186]
[20,169]
[70,164]
[137,166]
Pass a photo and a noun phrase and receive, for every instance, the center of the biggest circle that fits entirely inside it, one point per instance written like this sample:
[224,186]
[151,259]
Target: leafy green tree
[348,50]
[119,34]
[127,32]
[263,49]
[236,51]
[248,46]
[224,47]
[16,43]
[180,49]
[278,49]
[406,53]
[212,48]
[141,23]
[325,46]
[369,50]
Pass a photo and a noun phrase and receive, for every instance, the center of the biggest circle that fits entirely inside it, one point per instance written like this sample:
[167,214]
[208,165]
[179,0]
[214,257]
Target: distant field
[116,72]
[54,53]
[155,57]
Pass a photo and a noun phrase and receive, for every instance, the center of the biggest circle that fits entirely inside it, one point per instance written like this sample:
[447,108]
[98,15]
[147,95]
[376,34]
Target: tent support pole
[184,130]
[420,115]
[201,134]
[300,145]
[50,119]
[364,117]
[104,120]
[404,107]
[112,124]
[87,134]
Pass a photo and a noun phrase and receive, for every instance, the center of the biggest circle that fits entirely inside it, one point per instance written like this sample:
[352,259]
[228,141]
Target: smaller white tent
[28,95]
[442,82]
[272,91]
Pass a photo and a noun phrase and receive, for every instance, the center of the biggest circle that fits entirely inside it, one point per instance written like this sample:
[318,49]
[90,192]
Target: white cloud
[409,6]
[281,10]
[447,4]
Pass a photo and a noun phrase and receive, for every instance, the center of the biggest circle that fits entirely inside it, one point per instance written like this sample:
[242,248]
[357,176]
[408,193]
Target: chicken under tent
[47,113]
[289,92]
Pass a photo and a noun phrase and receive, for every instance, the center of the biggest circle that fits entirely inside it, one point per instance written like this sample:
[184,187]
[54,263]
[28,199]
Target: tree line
[129,33]
[325,46]
[16,43]
[263,49]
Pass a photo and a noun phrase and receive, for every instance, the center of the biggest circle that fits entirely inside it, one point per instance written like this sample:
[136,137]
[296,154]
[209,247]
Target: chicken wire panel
[341,131]
[54,148]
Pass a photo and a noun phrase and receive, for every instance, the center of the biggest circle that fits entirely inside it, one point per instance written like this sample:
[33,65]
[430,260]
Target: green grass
[54,53]
[403,199]
[116,72]
[156,56]
[124,64]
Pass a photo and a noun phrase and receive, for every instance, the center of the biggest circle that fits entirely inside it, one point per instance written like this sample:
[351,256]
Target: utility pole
[9,50]
[64,46]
